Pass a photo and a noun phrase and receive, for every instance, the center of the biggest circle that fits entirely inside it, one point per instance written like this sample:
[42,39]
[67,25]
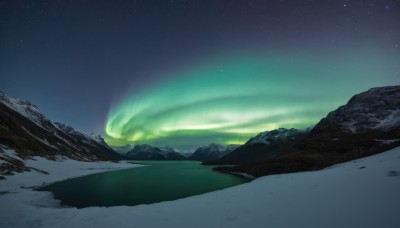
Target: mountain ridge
[148,152]
[212,151]
[357,129]
[26,130]
[264,145]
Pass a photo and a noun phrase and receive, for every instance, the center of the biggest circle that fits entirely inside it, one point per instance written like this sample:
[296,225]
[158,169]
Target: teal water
[157,182]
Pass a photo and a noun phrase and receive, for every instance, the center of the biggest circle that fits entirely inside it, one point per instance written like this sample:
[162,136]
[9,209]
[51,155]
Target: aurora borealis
[185,73]
[228,101]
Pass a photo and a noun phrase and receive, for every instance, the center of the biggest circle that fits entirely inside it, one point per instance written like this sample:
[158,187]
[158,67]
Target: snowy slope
[27,131]
[277,135]
[361,193]
[92,139]
[30,111]
[26,108]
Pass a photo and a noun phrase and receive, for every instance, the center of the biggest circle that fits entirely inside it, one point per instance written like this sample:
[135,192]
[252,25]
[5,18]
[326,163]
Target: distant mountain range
[123,149]
[212,151]
[368,124]
[27,131]
[147,152]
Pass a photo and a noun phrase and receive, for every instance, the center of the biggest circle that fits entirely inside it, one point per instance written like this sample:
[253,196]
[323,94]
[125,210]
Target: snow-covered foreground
[362,193]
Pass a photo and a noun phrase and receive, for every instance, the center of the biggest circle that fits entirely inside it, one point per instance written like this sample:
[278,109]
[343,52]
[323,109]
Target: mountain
[27,131]
[377,109]
[265,145]
[275,136]
[368,124]
[123,149]
[211,152]
[172,154]
[147,152]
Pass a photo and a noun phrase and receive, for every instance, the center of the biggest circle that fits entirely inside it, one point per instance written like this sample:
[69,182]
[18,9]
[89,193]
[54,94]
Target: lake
[158,181]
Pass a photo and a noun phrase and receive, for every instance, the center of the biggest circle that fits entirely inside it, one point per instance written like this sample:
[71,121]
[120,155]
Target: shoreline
[245,175]
[101,170]
[59,170]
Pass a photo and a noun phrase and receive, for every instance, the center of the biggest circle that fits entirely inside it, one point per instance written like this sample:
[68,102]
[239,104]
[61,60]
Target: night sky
[188,73]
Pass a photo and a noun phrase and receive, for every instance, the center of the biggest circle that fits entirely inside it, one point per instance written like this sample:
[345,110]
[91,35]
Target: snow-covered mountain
[377,109]
[212,151]
[229,148]
[264,145]
[172,154]
[25,108]
[368,124]
[27,131]
[86,138]
[123,149]
[148,152]
[145,152]
[277,135]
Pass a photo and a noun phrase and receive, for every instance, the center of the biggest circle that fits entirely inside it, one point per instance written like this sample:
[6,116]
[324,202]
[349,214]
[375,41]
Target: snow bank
[361,193]
[60,169]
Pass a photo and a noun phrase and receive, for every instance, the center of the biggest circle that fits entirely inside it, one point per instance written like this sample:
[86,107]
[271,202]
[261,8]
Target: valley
[299,172]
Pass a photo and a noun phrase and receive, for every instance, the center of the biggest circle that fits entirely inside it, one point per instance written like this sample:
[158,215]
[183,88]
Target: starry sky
[188,73]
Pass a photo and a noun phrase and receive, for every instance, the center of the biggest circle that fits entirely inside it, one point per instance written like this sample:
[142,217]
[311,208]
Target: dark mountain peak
[377,109]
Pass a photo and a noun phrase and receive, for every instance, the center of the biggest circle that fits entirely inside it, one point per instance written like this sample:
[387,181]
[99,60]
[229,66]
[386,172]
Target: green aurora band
[229,101]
